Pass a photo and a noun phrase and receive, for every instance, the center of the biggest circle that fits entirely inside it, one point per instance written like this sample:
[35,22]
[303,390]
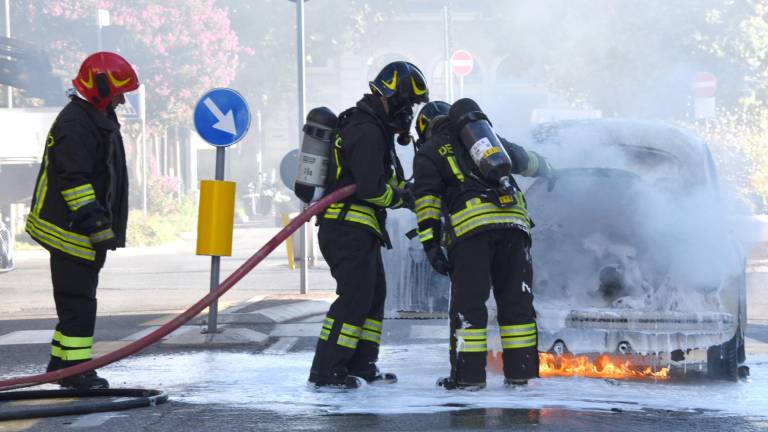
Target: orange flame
[604,366]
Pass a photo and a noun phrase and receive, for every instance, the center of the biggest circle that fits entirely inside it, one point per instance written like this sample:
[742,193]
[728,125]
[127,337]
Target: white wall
[23,132]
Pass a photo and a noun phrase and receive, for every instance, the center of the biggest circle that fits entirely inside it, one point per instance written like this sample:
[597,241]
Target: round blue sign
[222,117]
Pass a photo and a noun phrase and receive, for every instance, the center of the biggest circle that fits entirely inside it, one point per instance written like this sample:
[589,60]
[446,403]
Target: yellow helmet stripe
[422,123]
[416,88]
[116,82]
[88,84]
[391,84]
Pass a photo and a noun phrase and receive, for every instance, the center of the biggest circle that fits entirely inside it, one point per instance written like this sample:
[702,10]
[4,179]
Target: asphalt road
[142,290]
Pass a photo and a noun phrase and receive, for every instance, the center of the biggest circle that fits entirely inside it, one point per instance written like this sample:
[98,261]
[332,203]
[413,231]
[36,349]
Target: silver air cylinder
[315,150]
[477,135]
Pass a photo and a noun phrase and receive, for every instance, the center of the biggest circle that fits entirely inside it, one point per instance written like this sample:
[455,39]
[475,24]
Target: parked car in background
[6,250]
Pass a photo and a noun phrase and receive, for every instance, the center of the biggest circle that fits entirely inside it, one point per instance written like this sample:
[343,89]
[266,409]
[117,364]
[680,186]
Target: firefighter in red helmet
[79,206]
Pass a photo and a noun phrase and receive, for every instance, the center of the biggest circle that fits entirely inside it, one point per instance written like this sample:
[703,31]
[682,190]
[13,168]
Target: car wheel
[723,360]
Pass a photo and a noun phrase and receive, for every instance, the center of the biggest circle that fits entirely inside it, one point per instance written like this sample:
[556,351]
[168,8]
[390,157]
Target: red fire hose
[136,346]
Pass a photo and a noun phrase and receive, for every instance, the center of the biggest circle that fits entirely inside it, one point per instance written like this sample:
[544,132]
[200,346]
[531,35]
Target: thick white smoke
[637,219]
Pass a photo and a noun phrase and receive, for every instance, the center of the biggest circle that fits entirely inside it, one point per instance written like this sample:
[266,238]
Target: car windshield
[651,162]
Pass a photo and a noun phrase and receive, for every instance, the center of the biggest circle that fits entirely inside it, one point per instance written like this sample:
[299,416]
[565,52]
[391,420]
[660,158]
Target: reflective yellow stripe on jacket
[65,241]
[356,213]
[478,214]
[79,196]
[49,234]
[428,207]
[385,199]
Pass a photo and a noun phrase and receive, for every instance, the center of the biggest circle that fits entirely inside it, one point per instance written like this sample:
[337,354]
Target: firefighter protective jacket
[84,162]
[448,185]
[363,153]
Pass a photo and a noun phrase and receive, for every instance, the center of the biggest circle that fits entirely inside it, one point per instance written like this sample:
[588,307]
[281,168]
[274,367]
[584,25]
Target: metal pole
[300,56]
[144,159]
[213,309]
[259,144]
[144,167]
[8,35]
[461,86]
[448,49]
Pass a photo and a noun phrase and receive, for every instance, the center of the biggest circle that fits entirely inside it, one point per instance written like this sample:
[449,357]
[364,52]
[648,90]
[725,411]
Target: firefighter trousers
[498,260]
[74,292]
[351,333]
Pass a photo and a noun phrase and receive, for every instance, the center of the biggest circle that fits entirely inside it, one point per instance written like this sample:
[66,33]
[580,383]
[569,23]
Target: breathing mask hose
[193,311]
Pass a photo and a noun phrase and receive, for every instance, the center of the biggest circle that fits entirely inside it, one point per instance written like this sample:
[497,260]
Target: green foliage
[155,228]
[736,33]
[168,213]
[162,195]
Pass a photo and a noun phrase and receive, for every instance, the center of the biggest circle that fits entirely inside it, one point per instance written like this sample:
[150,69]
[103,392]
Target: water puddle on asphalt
[278,383]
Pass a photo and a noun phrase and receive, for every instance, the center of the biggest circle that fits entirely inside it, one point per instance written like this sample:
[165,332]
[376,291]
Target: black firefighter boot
[515,383]
[449,383]
[338,379]
[378,377]
[85,381]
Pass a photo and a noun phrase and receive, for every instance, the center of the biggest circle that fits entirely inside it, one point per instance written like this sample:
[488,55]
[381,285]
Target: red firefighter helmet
[104,75]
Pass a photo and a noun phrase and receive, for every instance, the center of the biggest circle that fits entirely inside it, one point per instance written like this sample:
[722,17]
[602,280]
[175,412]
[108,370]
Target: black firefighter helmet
[426,117]
[403,85]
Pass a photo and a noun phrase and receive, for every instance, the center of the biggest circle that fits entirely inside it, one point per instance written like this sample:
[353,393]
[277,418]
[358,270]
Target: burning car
[633,251]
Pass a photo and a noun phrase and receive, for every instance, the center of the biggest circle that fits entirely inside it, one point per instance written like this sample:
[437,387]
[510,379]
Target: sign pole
[300,55]
[221,118]
[213,309]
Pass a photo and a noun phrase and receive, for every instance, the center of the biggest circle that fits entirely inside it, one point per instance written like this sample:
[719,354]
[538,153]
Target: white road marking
[296,330]
[282,346]
[180,331]
[27,337]
[287,312]
[243,305]
[429,332]
[94,420]
[313,318]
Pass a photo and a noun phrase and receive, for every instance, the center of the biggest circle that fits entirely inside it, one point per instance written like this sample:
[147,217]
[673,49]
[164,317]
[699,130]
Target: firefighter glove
[437,259]
[406,195]
[94,220]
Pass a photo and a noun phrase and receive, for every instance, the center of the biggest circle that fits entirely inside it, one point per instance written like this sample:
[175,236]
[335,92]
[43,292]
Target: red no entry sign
[461,63]
[704,85]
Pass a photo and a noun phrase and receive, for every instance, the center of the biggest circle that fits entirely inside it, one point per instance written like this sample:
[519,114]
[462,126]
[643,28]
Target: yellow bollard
[216,218]
[288,242]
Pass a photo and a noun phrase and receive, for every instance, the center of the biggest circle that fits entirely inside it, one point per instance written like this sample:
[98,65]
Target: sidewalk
[160,279]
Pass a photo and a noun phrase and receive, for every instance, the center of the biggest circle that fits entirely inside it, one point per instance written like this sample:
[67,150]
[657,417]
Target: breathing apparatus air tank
[315,151]
[487,152]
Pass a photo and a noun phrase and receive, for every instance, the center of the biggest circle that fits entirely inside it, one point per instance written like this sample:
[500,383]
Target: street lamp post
[300,66]
[8,35]
[102,17]
[447,48]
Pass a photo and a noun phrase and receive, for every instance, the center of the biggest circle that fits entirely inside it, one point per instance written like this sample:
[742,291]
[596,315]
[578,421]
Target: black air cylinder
[315,150]
[477,135]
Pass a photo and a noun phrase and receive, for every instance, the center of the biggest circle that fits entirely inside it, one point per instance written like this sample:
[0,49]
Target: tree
[180,47]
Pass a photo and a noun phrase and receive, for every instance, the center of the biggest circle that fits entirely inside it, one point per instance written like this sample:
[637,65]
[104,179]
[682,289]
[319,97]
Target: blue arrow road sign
[222,117]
